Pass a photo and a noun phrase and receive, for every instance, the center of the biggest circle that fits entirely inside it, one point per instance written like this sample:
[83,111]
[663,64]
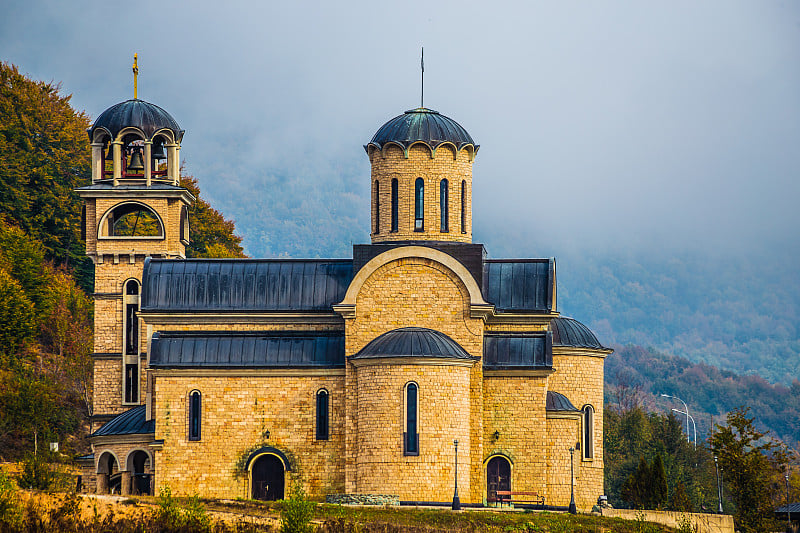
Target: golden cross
[135,76]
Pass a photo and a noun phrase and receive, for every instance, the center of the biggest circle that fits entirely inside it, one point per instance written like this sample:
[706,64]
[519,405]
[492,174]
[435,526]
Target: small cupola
[421,178]
[136,142]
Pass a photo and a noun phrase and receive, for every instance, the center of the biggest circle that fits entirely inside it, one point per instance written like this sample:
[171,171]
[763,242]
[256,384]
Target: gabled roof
[247,350]
[520,285]
[242,285]
[413,342]
[131,422]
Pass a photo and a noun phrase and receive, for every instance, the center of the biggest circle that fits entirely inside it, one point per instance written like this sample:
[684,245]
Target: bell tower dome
[134,209]
[421,179]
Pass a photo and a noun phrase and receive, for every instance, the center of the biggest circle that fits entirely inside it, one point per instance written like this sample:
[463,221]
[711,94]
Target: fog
[613,125]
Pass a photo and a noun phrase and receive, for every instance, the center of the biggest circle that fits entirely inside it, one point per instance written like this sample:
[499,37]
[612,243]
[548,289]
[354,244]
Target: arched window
[419,205]
[322,415]
[130,341]
[411,435]
[394,206]
[377,207]
[588,432]
[131,220]
[195,415]
[463,206]
[444,204]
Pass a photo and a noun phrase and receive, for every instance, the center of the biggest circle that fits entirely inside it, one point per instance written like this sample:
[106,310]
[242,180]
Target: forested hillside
[637,376]
[45,278]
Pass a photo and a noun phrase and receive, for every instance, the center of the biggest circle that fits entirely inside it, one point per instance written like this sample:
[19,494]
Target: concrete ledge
[704,523]
[363,499]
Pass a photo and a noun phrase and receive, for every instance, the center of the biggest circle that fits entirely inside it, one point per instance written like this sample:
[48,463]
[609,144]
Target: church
[416,371]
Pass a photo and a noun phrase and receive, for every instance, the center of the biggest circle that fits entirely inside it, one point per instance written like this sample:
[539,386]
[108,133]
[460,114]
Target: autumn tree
[749,460]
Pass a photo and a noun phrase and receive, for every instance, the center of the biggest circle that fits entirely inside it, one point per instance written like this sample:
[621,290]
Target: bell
[136,164]
[158,152]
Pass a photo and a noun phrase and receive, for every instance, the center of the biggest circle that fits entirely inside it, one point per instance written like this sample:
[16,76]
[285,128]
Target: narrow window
[588,432]
[322,414]
[463,206]
[411,435]
[377,207]
[131,342]
[444,202]
[195,407]
[394,206]
[419,205]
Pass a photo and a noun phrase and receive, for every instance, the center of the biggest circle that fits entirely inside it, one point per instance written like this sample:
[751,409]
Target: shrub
[297,512]
[9,505]
[36,473]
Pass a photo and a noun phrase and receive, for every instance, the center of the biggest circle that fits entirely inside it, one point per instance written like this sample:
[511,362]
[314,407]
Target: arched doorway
[108,474]
[268,478]
[498,477]
[139,467]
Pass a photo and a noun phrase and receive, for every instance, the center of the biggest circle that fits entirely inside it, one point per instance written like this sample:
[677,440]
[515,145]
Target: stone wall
[704,523]
[237,410]
[391,163]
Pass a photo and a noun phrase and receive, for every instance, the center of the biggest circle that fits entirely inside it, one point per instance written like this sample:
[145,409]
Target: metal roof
[517,351]
[131,422]
[147,117]
[791,508]
[422,125]
[198,285]
[413,342]
[520,284]
[247,350]
[570,332]
[558,402]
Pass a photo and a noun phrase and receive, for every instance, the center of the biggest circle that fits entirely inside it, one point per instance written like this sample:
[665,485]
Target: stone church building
[234,378]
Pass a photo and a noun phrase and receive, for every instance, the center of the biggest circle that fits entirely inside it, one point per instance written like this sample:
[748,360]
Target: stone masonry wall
[236,411]
[422,293]
[579,376]
[514,407]
[444,415]
[391,163]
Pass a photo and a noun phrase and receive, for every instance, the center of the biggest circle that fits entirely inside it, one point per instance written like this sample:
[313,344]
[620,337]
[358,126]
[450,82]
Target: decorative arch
[131,131]
[124,208]
[423,252]
[268,450]
[102,462]
[129,458]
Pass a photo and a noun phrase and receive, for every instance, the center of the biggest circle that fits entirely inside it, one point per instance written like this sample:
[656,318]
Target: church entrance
[268,478]
[498,477]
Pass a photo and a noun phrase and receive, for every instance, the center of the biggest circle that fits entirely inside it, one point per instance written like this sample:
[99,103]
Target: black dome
[147,117]
[413,342]
[570,332]
[422,125]
[555,401]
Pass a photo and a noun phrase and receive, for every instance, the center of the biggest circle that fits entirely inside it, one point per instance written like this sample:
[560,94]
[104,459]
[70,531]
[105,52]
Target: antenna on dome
[422,87]
[135,76]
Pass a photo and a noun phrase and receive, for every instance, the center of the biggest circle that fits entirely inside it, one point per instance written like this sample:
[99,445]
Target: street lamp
[719,486]
[694,426]
[456,501]
[687,412]
[573,509]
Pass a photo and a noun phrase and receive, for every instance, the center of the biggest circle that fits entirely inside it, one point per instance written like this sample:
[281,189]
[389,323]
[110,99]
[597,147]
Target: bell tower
[421,179]
[134,209]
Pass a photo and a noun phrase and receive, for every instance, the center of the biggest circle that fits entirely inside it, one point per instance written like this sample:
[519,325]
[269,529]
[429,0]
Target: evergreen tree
[680,500]
[658,484]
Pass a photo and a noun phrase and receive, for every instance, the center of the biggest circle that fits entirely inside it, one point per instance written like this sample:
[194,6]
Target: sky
[631,125]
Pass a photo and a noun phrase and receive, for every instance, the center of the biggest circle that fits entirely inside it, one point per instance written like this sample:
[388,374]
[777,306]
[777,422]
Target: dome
[413,342]
[422,125]
[555,401]
[147,117]
[570,332]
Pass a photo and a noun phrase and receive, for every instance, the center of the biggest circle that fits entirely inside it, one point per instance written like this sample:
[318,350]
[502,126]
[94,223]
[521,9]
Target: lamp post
[694,426]
[687,412]
[788,514]
[719,486]
[573,509]
[456,501]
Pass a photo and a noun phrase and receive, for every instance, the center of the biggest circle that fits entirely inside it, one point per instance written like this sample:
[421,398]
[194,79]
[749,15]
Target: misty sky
[601,124]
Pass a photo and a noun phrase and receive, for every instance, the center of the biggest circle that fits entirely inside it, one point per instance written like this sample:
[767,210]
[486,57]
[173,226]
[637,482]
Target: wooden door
[498,477]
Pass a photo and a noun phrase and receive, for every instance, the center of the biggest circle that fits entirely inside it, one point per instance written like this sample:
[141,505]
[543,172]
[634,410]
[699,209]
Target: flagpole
[422,78]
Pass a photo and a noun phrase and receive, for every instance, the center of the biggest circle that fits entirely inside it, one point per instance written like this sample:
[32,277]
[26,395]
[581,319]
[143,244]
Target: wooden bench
[511,497]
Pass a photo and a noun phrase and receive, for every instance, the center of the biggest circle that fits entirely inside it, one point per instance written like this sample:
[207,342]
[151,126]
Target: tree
[658,483]
[210,234]
[749,459]
[680,500]
[636,489]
